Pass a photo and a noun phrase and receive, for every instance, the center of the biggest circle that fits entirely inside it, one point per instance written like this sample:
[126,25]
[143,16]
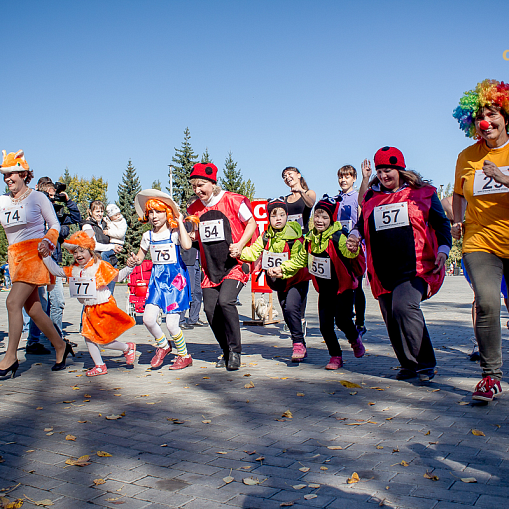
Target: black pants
[359,304]
[405,325]
[336,308]
[222,315]
[293,304]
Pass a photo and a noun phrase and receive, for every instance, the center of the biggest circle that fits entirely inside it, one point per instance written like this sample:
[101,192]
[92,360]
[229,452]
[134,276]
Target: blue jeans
[196,293]
[105,255]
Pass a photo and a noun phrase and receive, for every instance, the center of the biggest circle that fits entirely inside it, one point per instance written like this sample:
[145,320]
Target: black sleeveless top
[299,211]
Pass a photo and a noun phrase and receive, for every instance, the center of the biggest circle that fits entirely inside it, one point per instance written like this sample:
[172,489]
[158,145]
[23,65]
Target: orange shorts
[26,265]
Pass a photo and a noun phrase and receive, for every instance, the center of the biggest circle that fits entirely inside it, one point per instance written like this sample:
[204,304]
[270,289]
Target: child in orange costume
[103,321]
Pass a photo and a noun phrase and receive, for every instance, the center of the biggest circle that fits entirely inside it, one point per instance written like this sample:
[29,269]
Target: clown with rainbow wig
[481,216]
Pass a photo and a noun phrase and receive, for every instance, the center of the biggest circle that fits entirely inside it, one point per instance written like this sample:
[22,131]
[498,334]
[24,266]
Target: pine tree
[205,158]
[233,180]
[156,185]
[183,162]
[127,191]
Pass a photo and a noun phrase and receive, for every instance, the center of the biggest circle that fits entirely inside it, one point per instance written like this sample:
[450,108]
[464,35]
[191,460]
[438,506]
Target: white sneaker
[285,329]
[304,327]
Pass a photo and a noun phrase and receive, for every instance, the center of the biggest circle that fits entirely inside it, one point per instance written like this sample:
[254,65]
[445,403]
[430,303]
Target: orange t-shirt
[487,214]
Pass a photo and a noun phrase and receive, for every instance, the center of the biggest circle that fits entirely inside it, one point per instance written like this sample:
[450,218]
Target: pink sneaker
[158,358]
[299,352]
[97,370]
[487,389]
[130,354]
[335,363]
[358,347]
[181,362]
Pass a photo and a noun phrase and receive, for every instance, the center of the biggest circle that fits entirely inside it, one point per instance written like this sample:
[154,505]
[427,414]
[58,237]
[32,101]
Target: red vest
[216,262]
[418,237]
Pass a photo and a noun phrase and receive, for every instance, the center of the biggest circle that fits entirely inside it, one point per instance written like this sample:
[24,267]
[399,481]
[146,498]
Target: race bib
[271,260]
[389,216]
[212,230]
[163,254]
[319,267]
[296,217]
[487,185]
[13,215]
[348,223]
[82,287]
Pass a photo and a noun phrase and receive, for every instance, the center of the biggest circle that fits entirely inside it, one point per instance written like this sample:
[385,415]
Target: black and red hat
[389,157]
[206,171]
[330,205]
[276,203]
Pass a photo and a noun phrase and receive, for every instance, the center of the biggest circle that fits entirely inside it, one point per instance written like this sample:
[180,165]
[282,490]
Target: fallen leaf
[206,421]
[82,422]
[104,454]
[247,374]
[39,408]
[287,414]
[435,390]
[250,452]
[463,403]
[334,447]
[260,458]
[221,452]
[71,437]
[304,469]
[249,385]
[478,433]
[246,467]
[353,393]
[48,429]
[97,482]
[228,479]
[404,463]
[114,417]
[286,504]
[310,496]
[377,388]
[207,378]
[379,446]
[429,475]
[395,450]
[69,401]
[250,481]
[46,502]
[30,450]
[313,485]
[300,394]
[50,433]
[324,468]
[469,479]
[370,403]
[87,396]
[349,385]
[355,478]
[7,504]
[163,445]
[82,461]
[428,433]
[299,486]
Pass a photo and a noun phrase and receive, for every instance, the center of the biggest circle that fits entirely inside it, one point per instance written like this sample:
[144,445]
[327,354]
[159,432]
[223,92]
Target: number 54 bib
[393,215]
[211,231]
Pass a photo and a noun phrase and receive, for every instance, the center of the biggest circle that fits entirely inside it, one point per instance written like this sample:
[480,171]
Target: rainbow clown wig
[488,93]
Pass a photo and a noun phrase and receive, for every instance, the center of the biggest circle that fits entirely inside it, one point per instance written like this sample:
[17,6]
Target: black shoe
[425,375]
[199,323]
[233,361]
[406,374]
[187,326]
[221,362]
[58,366]
[37,349]
[12,368]
[74,345]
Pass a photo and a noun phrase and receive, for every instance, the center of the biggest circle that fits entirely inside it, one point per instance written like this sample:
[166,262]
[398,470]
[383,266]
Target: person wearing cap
[23,215]
[334,270]
[408,238]
[102,321]
[169,289]
[301,199]
[481,189]
[280,242]
[115,229]
[226,226]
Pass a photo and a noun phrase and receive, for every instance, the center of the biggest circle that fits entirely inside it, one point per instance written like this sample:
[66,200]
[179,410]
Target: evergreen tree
[183,162]
[205,158]
[156,185]
[3,246]
[127,191]
[233,180]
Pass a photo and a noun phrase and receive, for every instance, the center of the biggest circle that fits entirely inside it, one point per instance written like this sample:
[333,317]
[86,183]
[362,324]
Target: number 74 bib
[13,216]
[393,215]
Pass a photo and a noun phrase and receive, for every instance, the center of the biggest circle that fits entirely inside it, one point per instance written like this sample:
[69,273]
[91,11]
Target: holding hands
[235,250]
[133,260]
[275,272]
[352,243]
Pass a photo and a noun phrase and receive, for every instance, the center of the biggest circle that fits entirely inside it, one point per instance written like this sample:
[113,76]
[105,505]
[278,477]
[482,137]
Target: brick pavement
[158,462]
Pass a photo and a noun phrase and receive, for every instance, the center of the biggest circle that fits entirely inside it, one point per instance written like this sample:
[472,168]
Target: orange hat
[13,162]
[79,239]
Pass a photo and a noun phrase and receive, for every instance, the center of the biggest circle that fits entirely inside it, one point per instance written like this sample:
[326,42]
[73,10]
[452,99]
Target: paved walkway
[288,434]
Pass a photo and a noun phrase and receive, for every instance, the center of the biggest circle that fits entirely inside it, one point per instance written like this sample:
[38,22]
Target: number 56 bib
[393,215]
[271,260]
[211,231]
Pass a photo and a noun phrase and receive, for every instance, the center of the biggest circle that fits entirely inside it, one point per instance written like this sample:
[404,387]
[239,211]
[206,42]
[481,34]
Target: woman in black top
[301,200]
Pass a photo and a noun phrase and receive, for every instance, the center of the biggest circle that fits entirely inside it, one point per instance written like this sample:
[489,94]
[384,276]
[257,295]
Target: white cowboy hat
[144,196]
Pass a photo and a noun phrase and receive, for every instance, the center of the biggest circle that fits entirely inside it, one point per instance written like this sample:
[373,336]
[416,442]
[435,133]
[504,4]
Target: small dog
[262,309]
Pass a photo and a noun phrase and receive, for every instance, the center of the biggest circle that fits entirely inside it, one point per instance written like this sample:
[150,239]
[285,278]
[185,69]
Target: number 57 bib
[82,287]
[393,215]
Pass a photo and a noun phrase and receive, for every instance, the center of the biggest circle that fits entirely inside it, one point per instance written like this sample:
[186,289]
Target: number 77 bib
[393,215]
[82,287]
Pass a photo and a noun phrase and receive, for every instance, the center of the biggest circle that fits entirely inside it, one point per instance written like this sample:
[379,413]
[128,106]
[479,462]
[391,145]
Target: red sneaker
[358,347]
[181,362]
[335,362]
[299,352]
[130,354]
[487,389]
[158,358]
[97,370]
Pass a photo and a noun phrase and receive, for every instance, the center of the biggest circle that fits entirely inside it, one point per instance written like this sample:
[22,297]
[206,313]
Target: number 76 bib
[393,215]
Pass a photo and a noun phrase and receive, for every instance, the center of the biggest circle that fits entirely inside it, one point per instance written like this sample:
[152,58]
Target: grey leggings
[485,271]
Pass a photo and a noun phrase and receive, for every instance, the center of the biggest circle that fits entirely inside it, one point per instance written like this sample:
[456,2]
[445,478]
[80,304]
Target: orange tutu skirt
[26,265]
[104,323]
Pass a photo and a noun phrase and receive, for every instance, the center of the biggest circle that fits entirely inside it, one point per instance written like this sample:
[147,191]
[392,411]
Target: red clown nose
[484,124]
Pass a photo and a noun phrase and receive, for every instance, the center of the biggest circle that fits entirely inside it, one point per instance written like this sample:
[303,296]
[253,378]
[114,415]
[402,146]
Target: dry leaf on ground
[7,504]
[300,394]
[324,468]
[429,475]
[104,454]
[287,414]
[45,503]
[48,429]
[299,486]
[468,479]
[82,461]
[478,433]
[97,482]
[250,481]
[355,478]
[114,417]
[71,437]
[310,496]
[228,479]
[304,469]
[334,447]
[249,385]
[206,421]
[349,385]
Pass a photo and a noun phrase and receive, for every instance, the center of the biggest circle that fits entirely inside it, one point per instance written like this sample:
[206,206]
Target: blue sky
[314,84]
